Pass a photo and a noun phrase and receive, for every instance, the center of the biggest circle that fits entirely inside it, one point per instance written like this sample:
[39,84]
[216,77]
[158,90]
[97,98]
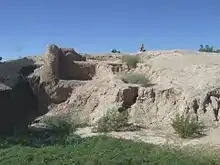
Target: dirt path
[159,137]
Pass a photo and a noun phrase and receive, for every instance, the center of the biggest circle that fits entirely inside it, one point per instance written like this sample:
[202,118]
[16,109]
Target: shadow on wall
[17,104]
[79,70]
[73,66]
[42,97]
[21,104]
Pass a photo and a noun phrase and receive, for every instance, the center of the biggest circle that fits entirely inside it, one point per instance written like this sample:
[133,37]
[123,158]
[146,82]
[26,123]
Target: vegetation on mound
[131,61]
[187,127]
[102,150]
[208,48]
[135,78]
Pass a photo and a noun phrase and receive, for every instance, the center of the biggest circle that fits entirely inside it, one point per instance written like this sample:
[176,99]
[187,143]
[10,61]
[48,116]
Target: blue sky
[27,26]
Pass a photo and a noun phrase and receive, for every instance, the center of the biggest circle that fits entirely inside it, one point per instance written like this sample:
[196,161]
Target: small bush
[131,61]
[187,127]
[115,51]
[112,121]
[136,79]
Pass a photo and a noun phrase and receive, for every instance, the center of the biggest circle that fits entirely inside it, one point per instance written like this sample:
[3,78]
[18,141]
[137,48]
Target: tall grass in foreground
[60,146]
[103,150]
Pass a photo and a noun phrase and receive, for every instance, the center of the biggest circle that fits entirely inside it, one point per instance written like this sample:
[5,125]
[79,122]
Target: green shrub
[112,121]
[187,127]
[208,48]
[131,61]
[134,78]
[103,150]
[115,51]
[56,131]
[59,125]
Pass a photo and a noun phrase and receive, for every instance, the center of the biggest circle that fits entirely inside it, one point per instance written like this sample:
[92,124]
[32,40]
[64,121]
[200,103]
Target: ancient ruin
[63,82]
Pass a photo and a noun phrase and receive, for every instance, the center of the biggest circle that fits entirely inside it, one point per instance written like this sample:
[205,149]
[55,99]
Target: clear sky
[27,26]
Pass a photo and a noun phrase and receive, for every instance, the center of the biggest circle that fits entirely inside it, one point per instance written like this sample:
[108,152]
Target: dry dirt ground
[183,81]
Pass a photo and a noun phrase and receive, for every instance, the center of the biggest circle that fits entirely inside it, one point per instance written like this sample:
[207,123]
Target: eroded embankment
[183,84]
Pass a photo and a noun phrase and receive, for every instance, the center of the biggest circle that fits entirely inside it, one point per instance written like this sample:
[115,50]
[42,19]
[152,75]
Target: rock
[10,70]
[215,104]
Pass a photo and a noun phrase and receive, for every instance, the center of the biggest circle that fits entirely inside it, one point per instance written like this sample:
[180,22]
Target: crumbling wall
[50,72]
